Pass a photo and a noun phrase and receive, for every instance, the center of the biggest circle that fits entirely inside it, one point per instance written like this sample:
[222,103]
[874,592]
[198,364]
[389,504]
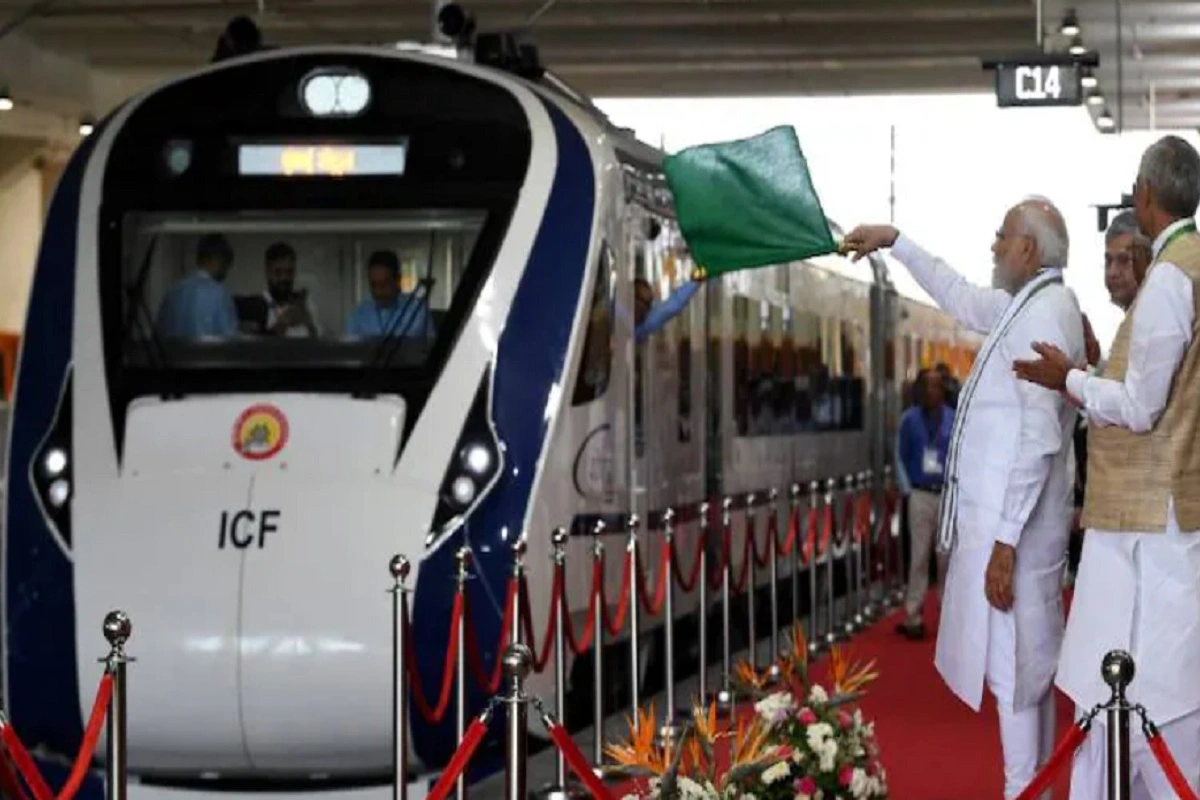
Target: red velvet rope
[556,593]
[689,583]
[826,529]
[752,535]
[743,578]
[577,762]
[1062,753]
[462,756]
[714,577]
[83,759]
[653,607]
[491,683]
[1163,756]
[862,517]
[582,644]
[434,715]
[785,549]
[615,622]
[810,538]
[10,785]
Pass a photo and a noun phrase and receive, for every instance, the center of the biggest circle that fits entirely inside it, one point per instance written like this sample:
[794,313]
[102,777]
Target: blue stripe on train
[529,365]
[43,690]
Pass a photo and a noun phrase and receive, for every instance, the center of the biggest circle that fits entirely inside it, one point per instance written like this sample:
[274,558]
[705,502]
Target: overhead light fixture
[86,126]
[6,101]
[1095,99]
[1089,80]
[1076,48]
[1070,24]
[1105,120]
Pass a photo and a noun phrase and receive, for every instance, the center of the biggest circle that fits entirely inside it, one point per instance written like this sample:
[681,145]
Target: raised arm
[665,311]
[975,307]
[1162,331]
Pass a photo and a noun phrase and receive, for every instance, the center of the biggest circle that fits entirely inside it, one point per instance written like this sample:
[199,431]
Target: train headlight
[477,459]
[51,469]
[59,493]
[463,490]
[54,462]
[474,468]
[335,93]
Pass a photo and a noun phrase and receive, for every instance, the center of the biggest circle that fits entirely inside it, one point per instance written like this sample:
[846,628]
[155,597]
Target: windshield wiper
[138,310]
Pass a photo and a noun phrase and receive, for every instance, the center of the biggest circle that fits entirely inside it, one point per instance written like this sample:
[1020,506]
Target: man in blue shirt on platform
[200,306]
[388,311]
[924,438]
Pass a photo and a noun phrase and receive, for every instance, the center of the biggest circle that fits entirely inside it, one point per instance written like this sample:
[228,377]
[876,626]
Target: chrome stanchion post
[598,650]
[797,548]
[816,641]
[462,559]
[832,633]
[752,583]
[518,573]
[117,630]
[702,601]
[725,693]
[870,609]
[669,730]
[518,660]
[850,626]
[558,789]
[1118,670]
[895,558]
[773,593]
[860,619]
[399,569]
[635,628]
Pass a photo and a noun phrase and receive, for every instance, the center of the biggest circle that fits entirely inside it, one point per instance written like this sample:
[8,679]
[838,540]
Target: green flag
[748,203]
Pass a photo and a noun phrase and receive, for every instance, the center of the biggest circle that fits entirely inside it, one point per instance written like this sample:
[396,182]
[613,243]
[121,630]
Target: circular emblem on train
[260,432]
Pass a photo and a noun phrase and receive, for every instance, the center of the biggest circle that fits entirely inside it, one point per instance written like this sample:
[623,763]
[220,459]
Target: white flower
[775,708]
[818,694]
[827,755]
[776,772]
[817,733]
[859,783]
[689,788]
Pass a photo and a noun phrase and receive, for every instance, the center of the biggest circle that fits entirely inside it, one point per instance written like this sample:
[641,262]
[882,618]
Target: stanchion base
[724,700]
[570,792]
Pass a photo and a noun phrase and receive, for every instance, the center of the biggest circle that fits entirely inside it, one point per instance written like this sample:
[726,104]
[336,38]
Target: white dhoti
[1026,735]
[1089,774]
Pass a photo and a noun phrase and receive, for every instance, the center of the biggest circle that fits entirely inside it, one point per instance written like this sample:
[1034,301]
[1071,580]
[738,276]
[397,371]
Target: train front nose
[252,557]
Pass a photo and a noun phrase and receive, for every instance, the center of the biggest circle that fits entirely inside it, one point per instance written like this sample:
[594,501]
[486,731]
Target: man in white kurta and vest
[1007,500]
[1138,587]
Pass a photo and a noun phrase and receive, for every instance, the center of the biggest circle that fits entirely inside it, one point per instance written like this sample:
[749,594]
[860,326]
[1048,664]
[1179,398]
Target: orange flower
[849,676]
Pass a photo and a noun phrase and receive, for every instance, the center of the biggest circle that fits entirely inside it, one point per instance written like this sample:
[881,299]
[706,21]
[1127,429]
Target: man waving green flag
[748,203]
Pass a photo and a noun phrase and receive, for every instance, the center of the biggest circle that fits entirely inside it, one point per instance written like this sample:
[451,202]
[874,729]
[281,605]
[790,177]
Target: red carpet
[933,746]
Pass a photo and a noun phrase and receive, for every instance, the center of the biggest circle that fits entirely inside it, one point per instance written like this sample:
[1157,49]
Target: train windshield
[293,290]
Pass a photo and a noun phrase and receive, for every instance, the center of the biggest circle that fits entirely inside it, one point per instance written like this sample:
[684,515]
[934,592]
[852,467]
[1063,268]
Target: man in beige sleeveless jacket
[1138,588]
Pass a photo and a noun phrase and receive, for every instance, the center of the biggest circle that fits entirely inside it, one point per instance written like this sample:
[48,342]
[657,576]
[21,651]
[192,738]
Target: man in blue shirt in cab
[389,311]
[200,305]
[924,439]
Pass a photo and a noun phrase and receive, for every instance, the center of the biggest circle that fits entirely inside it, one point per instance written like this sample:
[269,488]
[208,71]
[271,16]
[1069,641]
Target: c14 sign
[1038,85]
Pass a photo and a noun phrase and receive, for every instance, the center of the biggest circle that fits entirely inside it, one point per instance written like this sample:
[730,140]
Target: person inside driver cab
[388,311]
[200,305]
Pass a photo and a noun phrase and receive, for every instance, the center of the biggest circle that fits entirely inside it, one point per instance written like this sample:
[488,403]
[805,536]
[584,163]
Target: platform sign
[1034,84]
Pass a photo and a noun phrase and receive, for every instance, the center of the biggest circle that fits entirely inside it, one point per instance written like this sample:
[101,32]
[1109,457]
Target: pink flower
[846,776]
[806,716]
[806,785]
[845,720]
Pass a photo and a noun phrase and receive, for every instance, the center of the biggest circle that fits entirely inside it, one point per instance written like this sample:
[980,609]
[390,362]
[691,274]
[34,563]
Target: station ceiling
[654,48]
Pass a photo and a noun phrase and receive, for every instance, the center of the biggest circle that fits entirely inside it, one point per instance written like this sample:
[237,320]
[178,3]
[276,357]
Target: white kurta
[1014,483]
[1139,591]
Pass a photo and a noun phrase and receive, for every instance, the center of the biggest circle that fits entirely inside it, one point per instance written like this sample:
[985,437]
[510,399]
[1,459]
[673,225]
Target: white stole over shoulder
[948,515]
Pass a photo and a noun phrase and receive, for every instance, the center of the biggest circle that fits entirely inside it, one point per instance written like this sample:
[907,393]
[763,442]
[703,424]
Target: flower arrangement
[803,742]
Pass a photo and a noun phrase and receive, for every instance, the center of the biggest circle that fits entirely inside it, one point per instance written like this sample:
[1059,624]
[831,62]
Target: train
[450,249]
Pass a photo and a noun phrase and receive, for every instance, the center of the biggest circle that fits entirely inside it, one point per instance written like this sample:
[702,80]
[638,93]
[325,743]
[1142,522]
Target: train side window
[808,361]
[853,382]
[595,367]
[683,352]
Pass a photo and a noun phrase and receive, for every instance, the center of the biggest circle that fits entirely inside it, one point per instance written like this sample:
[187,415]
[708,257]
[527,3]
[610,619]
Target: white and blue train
[225,424]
